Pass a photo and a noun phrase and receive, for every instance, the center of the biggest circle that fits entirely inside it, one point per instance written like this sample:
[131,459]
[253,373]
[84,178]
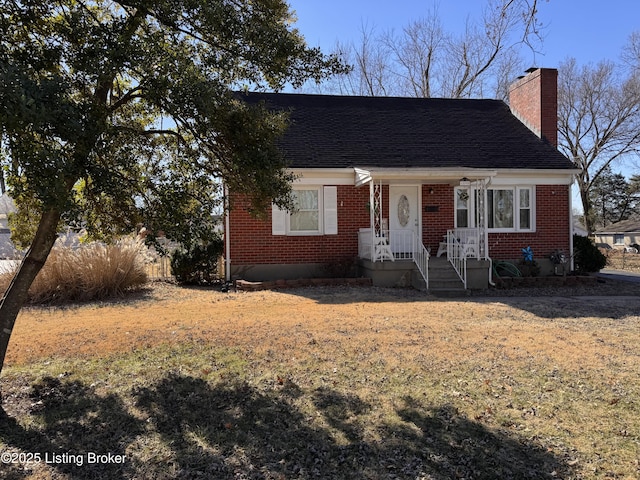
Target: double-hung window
[314,212]
[524,209]
[306,215]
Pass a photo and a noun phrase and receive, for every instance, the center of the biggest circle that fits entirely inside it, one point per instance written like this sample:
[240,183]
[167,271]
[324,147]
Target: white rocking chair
[470,248]
[381,247]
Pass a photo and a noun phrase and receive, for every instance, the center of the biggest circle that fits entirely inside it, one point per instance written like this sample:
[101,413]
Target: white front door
[403,217]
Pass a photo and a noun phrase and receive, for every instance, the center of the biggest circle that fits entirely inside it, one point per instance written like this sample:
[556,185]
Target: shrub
[529,268]
[344,268]
[90,272]
[587,257]
[197,265]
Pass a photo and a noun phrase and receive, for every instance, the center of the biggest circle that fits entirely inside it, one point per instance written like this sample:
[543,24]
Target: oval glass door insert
[403,211]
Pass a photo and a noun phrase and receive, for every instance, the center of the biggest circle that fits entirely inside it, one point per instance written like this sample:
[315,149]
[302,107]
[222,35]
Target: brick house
[404,185]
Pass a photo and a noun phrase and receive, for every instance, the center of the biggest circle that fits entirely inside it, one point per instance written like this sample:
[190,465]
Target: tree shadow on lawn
[232,430]
[563,304]
[571,307]
[75,422]
[345,294]
[237,431]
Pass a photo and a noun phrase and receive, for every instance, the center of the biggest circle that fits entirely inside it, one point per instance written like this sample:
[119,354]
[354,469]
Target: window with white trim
[524,212]
[509,209]
[305,217]
[618,239]
[463,210]
[314,213]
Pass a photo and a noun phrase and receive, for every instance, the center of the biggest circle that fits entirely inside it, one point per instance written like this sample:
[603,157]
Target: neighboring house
[6,207]
[579,228]
[7,249]
[385,180]
[620,234]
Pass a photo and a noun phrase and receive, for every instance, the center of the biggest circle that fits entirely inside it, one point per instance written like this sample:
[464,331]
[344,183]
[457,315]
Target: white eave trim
[534,176]
[323,176]
[364,176]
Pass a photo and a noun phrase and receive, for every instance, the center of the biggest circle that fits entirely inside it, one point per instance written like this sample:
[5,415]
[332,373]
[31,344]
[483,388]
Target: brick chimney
[534,101]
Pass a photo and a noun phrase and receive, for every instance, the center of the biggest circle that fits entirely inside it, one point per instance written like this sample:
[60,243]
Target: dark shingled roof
[625,226]
[344,131]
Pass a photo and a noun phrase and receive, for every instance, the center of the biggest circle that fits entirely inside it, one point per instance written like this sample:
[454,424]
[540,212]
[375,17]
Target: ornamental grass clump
[90,272]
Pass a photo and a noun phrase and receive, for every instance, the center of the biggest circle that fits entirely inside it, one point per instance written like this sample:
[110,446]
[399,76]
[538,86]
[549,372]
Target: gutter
[227,239]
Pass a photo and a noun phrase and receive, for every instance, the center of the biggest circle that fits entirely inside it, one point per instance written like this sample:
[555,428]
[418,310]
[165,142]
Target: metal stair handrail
[421,258]
[457,256]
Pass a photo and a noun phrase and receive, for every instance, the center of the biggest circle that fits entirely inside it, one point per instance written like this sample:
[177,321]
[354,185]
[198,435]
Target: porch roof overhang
[437,175]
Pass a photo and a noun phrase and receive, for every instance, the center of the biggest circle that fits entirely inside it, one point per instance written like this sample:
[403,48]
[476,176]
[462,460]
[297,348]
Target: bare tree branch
[598,122]
[423,60]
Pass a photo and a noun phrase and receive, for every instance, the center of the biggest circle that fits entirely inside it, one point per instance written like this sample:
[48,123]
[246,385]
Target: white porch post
[481,219]
[375,213]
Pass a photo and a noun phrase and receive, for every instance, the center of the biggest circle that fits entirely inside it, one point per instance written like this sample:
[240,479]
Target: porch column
[481,218]
[375,213]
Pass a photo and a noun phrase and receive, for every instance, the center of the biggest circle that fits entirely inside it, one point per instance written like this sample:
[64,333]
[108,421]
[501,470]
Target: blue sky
[588,30]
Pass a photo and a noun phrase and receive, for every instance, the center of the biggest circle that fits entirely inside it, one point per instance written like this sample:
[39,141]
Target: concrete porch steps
[443,279]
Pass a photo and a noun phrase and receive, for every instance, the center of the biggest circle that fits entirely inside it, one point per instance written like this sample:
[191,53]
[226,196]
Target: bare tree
[598,121]
[370,74]
[415,55]
[631,52]
[423,60]
[631,58]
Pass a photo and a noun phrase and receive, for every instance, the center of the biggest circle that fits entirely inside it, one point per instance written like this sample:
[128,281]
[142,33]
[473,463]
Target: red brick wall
[552,227]
[436,223]
[534,99]
[552,222]
[253,243]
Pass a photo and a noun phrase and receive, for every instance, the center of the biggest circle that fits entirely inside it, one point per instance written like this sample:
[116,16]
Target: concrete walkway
[621,275]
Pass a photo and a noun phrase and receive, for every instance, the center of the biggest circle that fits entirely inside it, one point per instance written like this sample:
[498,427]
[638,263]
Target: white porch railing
[394,245]
[469,239]
[402,243]
[391,245]
[456,257]
[421,258]
[463,243]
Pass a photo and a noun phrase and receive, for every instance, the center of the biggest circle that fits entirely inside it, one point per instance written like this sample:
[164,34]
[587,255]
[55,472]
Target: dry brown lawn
[558,328]
[560,372]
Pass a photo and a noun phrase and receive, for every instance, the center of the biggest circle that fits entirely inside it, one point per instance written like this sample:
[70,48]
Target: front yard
[325,382]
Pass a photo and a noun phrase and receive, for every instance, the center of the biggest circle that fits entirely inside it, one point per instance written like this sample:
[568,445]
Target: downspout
[227,240]
[570,192]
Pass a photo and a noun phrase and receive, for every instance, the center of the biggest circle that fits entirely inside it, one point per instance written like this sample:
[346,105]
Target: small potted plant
[559,260]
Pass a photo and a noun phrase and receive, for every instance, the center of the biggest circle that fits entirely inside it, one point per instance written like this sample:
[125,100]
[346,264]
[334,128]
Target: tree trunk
[586,210]
[16,295]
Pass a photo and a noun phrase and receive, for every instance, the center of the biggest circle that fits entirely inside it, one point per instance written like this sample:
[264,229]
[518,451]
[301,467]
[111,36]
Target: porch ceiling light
[465,182]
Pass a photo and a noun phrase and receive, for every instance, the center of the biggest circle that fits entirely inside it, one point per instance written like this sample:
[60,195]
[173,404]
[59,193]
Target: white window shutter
[278,221]
[331,210]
